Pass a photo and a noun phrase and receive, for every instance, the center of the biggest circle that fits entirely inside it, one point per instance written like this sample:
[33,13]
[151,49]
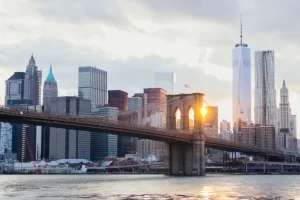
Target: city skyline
[199,56]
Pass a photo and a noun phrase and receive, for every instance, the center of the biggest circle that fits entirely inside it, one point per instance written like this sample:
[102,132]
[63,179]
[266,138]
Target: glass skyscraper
[92,85]
[241,83]
[265,94]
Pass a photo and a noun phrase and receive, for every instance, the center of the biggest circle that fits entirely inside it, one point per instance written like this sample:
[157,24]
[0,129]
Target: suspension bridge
[186,146]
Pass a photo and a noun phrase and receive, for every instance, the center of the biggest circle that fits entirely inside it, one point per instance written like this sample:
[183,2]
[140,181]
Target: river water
[148,187]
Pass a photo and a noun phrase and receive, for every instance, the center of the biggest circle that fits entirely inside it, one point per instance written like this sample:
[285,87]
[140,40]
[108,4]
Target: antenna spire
[241,29]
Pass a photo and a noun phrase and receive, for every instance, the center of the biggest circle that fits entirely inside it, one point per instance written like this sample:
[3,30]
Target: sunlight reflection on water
[149,187]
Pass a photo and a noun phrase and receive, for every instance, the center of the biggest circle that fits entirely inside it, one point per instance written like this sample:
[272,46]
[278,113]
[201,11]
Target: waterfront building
[166,81]
[259,136]
[92,85]
[265,93]
[104,144]
[68,143]
[285,139]
[241,83]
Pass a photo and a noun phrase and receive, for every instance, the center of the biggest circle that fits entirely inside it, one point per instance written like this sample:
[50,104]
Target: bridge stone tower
[186,159]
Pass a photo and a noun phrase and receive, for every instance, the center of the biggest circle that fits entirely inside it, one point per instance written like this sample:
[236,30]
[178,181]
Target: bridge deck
[102,125]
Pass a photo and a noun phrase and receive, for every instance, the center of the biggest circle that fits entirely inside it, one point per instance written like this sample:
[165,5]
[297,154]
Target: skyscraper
[104,144]
[156,100]
[118,99]
[67,143]
[284,108]
[241,83]
[50,93]
[50,90]
[135,106]
[165,80]
[92,85]
[15,87]
[265,93]
[32,82]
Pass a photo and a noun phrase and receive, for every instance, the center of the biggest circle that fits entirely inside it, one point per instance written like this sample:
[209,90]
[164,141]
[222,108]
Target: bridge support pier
[186,159]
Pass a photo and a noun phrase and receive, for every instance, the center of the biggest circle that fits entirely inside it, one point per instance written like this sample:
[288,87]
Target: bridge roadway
[99,124]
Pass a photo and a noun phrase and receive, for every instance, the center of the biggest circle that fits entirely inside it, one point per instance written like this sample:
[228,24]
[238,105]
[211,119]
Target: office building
[285,139]
[118,99]
[50,93]
[50,90]
[241,83]
[259,136]
[104,144]
[284,108]
[68,143]
[293,125]
[144,103]
[5,137]
[92,85]
[15,87]
[32,82]
[26,139]
[156,100]
[265,93]
[135,108]
[166,81]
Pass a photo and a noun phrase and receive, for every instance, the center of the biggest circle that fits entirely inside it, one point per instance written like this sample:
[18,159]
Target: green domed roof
[50,77]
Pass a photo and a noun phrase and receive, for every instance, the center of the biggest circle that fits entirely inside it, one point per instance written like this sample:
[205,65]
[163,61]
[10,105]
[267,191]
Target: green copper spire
[283,85]
[50,77]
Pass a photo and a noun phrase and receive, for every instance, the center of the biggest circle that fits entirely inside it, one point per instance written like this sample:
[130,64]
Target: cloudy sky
[133,39]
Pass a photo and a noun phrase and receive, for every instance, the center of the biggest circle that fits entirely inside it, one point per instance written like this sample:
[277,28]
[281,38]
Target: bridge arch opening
[177,119]
[191,117]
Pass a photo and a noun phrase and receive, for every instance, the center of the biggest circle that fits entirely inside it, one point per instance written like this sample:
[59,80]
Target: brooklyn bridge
[185,146]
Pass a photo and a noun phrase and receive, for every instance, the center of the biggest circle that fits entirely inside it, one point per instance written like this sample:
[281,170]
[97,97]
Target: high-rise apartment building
[32,82]
[92,85]
[68,143]
[104,144]
[50,93]
[241,83]
[265,93]
[165,80]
